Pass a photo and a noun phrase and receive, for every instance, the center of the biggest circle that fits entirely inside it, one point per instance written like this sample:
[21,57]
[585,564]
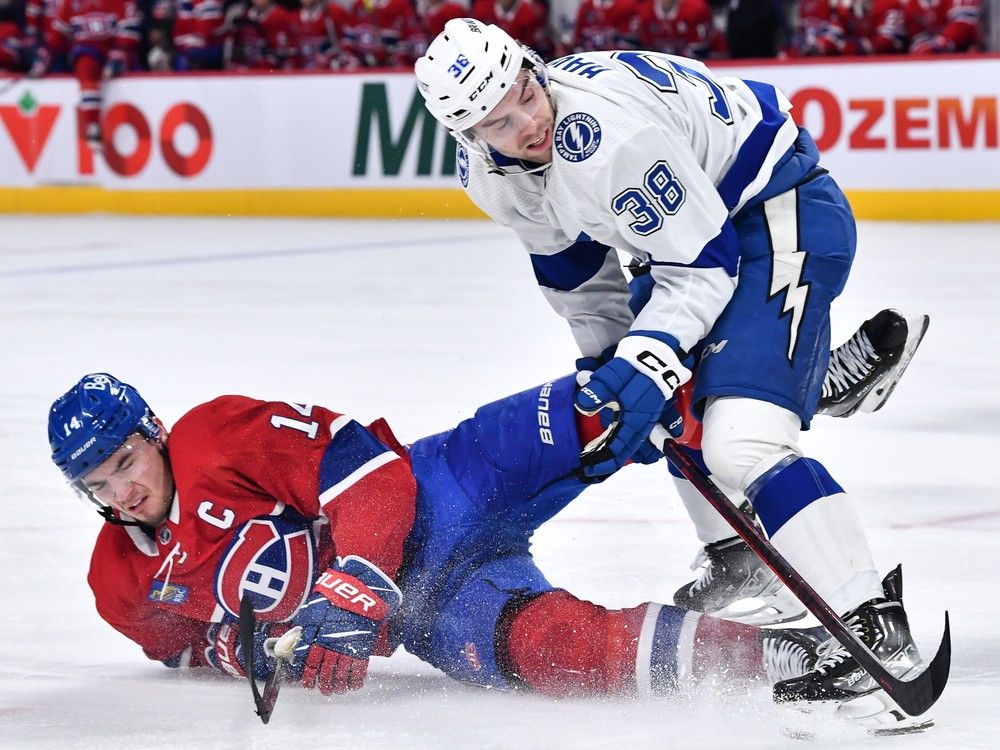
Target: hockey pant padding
[812,522]
[744,435]
[561,645]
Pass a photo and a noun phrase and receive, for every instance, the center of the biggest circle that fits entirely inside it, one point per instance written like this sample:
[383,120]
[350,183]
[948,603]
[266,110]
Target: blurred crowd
[38,36]
[98,39]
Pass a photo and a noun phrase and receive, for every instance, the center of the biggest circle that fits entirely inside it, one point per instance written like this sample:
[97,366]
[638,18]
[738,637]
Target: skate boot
[734,584]
[864,370]
[881,625]
[788,653]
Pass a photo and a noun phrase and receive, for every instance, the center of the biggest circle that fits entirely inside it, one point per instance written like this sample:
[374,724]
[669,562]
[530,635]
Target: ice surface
[421,322]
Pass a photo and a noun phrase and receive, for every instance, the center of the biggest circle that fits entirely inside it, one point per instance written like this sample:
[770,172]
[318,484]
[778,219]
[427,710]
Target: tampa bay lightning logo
[462,160]
[271,559]
[577,136]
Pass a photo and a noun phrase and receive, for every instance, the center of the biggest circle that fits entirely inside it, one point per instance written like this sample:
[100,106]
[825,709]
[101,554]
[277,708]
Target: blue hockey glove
[632,389]
[340,624]
[673,421]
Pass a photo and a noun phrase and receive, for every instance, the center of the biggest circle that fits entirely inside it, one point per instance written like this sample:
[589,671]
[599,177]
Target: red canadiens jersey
[101,24]
[197,24]
[525,20]
[851,27]
[941,25]
[383,33]
[436,13]
[266,494]
[683,29]
[607,25]
[316,40]
[40,17]
[264,40]
[11,46]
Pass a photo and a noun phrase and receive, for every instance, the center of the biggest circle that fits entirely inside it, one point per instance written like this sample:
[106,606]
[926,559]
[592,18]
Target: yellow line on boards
[887,205]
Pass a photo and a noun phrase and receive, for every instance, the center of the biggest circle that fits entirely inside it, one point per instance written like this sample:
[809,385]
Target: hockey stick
[263,702]
[8,85]
[914,696]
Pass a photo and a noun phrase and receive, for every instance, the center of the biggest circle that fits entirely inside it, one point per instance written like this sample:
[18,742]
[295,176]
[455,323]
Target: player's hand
[224,651]
[631,393]
[340,624]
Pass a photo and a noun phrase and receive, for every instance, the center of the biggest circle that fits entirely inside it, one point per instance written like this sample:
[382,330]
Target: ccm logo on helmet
[460,64]
[480,87]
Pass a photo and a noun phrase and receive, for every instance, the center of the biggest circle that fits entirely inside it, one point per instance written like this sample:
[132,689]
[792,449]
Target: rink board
[907,139]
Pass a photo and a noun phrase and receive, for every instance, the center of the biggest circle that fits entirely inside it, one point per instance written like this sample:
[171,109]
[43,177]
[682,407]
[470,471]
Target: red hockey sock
[561,645]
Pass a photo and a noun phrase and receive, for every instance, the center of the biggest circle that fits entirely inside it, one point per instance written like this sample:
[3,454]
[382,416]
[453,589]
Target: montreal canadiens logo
[271,559]
[577,136]
[462,160]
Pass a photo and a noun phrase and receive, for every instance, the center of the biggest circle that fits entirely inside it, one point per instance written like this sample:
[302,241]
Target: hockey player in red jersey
[524,20]
[606,25]
[262,38]
[941,26]
[49,46]
[13,49]
[434,14]
[318,38]
[679,27]
[383,33]
[104,39]
[365,544]
[850,27]
[196,30]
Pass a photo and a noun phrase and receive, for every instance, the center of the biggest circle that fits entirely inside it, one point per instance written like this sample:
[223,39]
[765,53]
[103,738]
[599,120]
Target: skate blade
[916,327]
[879,715]
[874,713]
[762,612]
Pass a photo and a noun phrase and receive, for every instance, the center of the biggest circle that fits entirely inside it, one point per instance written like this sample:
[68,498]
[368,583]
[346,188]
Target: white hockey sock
[812,522]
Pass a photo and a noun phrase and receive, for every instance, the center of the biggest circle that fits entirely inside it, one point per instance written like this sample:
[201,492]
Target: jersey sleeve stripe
[568,269]
[355,476]
[722,251]
[762,149]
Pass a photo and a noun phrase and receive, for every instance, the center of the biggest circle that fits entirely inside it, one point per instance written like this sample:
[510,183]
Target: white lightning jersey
[652,154]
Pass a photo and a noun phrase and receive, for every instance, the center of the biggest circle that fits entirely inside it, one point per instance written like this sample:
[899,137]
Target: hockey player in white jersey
[742,240]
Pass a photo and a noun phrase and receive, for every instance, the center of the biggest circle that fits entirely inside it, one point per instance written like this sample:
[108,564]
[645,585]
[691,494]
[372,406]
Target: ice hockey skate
[734,584]
[788,653]
[840,682]
[864,370]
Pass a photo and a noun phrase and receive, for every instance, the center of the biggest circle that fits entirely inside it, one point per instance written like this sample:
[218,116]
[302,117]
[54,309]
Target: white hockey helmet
[466,71]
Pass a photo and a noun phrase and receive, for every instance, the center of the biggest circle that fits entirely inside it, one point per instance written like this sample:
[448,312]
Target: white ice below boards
[421,322]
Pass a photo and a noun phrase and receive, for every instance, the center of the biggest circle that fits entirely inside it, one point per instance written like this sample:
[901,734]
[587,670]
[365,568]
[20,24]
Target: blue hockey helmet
[92,420]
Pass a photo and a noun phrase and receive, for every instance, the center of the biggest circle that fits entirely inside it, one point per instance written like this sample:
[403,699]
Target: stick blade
[916,696]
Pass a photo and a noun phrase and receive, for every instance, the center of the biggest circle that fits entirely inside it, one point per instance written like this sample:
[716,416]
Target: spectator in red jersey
[941,26]
[434,14]
[48,46]
[262,38]
[607,25]
[849,27]
[522,19]
[104,40]
[679,27]
[196,32]
[12,42]
[318,39]
[383,33]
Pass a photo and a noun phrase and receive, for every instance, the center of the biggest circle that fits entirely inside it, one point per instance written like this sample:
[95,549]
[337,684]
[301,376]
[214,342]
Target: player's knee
[741,435]
[560,645]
